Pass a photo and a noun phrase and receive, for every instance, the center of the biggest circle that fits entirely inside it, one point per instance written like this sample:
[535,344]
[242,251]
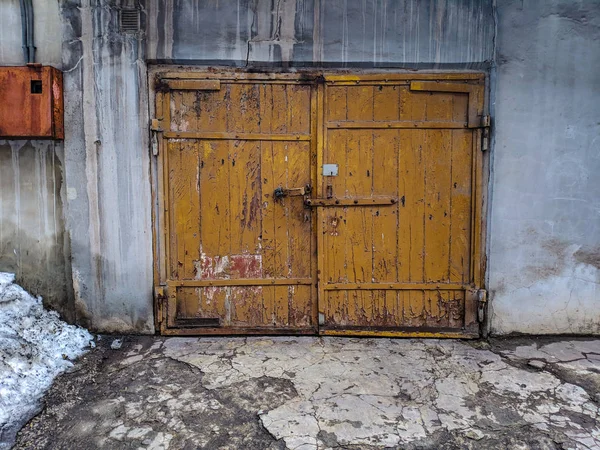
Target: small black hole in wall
[36,86]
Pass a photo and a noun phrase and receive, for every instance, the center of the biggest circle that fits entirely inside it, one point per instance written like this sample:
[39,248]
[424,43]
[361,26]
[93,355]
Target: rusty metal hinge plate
[156,125]
[485,135]
[160,293]
[481,305]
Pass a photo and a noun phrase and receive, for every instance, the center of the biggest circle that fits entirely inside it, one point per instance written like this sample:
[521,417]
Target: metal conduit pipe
[30,46]
[24,34]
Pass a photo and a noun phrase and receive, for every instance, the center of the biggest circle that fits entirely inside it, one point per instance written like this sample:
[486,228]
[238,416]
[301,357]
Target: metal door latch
[281,192]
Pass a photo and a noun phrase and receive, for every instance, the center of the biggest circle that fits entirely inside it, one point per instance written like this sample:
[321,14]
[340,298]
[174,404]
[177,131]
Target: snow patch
[35,347]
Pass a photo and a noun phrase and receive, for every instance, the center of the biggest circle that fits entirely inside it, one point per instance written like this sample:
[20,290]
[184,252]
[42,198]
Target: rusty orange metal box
[31,102]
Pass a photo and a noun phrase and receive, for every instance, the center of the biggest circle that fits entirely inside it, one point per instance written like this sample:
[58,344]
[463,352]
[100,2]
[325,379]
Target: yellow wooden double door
[331,204]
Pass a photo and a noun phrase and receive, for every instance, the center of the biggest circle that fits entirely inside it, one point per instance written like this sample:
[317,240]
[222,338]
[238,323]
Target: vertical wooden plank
[439,106]
[268,205]
[360,103]
[281,211]
[189,115]
[245,198]
[335,308]
[299,225]
[177,122]
[246,306]
[298,96]
[187,303]
[251,97]
[412,210]
[204,105]
[213,304]
[405,102]
[411,230]
[265,107]
[282,306]
[279,108]
[437,205]
[335,223]
[268,304]
[454,308]
[316,155]
[386,103]
[460,105]
[385,219]
[176,186]
[432,308]
[460,215]
[244,108]
[336,153]
[477,169]
[214,188]
[394,308]
[359,220]
[188,230]
[235,116]
[336,103]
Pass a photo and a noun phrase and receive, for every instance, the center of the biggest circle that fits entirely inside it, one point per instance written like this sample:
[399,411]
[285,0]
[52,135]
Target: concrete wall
[107,167]
[544,216]
[46,29]
[365,33]
[33,243]
[106,151]
[544,259]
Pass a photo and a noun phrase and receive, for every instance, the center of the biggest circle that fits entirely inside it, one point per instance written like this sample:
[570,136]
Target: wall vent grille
[130,20]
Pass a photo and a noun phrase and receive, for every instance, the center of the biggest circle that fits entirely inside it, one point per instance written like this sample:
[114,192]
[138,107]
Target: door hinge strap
[481,304]
[156,125]
[485,135]
[160,293]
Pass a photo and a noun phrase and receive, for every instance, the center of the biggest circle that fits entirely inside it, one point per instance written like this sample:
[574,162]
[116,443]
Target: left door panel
[237,259]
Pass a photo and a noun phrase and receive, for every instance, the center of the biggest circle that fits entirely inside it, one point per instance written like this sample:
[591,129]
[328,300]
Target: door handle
[281,192]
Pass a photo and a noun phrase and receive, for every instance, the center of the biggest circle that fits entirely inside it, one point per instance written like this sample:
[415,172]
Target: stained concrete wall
[46,29]
[364,33]
[544,259]
[106,149]
[107,167]
[33,243]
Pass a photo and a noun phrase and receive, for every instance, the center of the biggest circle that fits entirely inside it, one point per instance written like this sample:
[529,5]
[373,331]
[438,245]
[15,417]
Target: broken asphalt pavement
[325,393]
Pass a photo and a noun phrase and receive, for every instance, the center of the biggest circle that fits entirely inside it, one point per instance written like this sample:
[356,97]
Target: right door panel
[399,246]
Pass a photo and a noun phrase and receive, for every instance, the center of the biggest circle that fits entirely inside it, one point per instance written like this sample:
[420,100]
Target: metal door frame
[164,299]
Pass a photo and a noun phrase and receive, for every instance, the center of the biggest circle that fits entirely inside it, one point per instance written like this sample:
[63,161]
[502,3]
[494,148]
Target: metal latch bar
[381,201]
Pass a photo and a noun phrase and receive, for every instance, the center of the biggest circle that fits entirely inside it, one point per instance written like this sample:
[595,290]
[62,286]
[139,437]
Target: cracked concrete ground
[323,393]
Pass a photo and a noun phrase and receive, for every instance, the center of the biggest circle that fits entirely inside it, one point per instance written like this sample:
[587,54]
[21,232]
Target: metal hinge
[155,127]
[485,135]
[481,304]
[321,318]
[161,299]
